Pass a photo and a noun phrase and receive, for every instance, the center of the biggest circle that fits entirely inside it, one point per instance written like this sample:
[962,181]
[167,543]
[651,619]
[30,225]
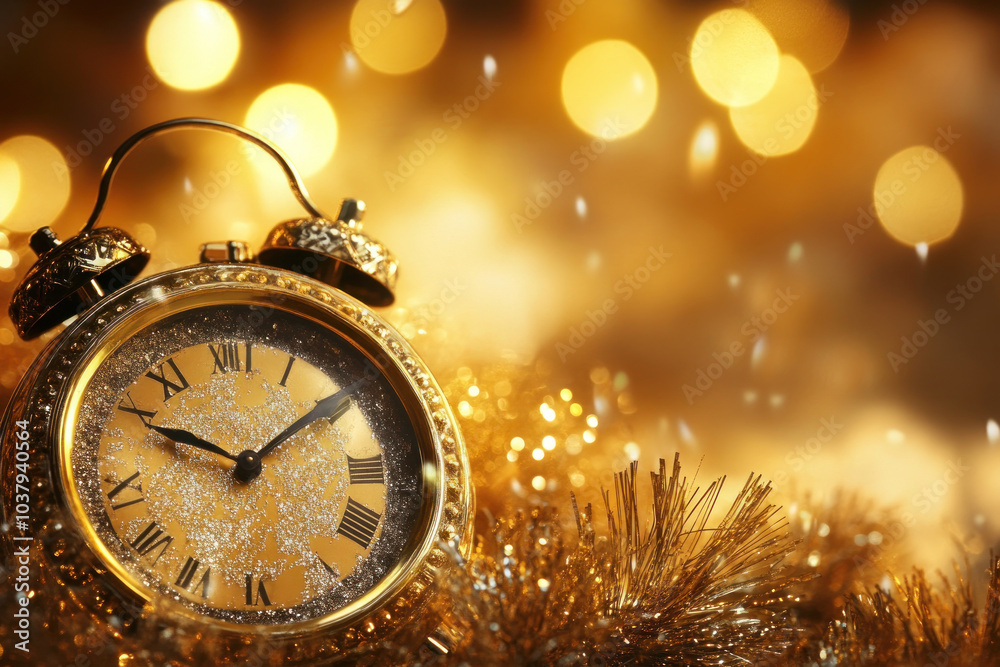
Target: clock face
[254,464]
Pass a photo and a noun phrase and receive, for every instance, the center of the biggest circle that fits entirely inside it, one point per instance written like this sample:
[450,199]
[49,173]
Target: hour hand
[187,438]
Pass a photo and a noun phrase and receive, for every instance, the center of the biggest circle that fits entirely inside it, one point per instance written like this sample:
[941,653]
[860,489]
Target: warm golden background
[527,159]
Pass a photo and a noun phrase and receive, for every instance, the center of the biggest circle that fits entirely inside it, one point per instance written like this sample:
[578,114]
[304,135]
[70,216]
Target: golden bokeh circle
[814,31]
[10,185]
[609,89]
[918,196]
[780,122]
[300,121]
[192,44]
[734,58]
[44,183]
[397,37]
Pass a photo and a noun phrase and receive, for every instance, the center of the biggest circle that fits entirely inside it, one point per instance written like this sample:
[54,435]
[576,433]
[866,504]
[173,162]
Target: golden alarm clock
[243,442]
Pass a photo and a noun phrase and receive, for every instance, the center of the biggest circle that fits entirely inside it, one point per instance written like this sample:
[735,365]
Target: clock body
[331,543]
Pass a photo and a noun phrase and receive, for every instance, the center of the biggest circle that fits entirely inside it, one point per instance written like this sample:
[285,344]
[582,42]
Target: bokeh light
[192,44]
[44,183]
[704,150]
[10,184]
[918,196]
[300,120]
[781,121]
[734,58]
[397,37]
[814,31]
[609,89]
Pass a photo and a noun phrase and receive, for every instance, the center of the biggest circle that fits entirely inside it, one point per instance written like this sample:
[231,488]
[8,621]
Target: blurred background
[760,233]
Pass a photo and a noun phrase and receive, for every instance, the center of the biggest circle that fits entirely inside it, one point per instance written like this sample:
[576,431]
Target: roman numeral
[186,576]
[366,471]
[359,523]
[121,487]
[261,593]
[227,357]
[150,539]
[288,369]
[170,388]
[144,415]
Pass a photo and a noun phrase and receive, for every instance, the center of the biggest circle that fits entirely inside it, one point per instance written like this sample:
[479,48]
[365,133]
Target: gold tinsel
[672,578]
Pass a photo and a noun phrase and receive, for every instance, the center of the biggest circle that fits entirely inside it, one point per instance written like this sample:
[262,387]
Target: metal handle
[108,175]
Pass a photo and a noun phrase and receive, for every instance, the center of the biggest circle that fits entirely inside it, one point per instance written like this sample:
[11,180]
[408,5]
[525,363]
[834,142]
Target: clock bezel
[89,340]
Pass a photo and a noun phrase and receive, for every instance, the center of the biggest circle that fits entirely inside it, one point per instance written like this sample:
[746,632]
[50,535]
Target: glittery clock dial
[333,506]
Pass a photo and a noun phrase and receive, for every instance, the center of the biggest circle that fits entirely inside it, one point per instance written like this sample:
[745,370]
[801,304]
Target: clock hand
[187,438]
[332,407]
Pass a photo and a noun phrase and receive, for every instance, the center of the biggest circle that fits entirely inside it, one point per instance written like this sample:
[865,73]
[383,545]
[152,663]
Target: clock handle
[111,167]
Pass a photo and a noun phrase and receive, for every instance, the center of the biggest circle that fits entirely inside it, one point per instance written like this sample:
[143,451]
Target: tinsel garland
[673,579]
[679,592]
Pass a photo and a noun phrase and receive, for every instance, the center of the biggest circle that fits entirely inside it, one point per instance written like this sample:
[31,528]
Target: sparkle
[921,249]
[489,66]
[759,352]
[686,435]
[538,482]
[581,207]
[400,6]
[632,451]
[993,431]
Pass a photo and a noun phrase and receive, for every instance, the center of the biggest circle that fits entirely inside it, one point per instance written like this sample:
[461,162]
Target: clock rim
[450,519]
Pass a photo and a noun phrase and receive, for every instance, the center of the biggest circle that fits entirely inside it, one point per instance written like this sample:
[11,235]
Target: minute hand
[333,406]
